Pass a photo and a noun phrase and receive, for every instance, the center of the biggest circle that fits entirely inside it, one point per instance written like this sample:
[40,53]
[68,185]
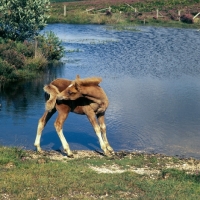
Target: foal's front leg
[101,120]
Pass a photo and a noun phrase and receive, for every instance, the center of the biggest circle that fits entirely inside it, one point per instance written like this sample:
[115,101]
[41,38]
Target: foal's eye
[70,92]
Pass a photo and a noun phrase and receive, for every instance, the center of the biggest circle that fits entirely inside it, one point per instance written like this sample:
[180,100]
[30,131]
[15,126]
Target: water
[151,77]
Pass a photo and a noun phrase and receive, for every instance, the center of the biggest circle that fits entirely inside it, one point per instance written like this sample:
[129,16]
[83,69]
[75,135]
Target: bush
[26,48]
[18,59]
[187,18]
[3,47]
[14,58]
[50,46]
[7,71]
[36,63]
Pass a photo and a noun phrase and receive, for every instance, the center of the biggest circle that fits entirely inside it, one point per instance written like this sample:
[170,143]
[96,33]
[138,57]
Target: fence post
[196,15]
[179,15]
[64,10]
[157,12]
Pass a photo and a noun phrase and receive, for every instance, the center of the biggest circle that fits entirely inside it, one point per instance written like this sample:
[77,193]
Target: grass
[28,175]
[123,13]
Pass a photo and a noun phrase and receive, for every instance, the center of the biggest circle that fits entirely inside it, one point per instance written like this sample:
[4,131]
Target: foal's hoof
[109,154]
[111,151]
[39,151]
[70,155]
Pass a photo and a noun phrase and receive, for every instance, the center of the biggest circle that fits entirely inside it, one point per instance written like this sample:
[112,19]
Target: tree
[22,19]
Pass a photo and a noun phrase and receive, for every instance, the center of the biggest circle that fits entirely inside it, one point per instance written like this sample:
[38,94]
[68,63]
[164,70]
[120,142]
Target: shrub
[3,47]
[36,63]
[187,18]
[50,45]
[26,48]
[14,58]
[7,71]
[25,74]
[18,60]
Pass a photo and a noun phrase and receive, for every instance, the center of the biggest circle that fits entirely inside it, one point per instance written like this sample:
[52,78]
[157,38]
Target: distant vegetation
[123,11]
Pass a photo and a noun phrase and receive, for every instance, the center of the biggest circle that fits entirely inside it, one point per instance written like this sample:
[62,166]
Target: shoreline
[189,164]
[59,154]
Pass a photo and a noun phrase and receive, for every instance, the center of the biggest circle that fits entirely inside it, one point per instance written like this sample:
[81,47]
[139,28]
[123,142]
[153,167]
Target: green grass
[23,177]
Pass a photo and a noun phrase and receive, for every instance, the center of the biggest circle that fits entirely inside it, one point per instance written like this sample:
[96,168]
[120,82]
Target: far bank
[178,13]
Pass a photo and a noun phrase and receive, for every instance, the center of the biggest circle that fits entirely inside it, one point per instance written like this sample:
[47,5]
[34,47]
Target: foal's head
[70,93]
[73,91]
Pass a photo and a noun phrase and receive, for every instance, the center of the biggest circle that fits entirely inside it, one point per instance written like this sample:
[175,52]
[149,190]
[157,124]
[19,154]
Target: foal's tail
[51,93]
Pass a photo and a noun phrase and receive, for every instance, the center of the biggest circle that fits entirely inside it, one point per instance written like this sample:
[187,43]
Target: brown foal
[81,96]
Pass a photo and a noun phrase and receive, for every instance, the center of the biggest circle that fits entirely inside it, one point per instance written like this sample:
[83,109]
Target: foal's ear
[76,83]
[77,76]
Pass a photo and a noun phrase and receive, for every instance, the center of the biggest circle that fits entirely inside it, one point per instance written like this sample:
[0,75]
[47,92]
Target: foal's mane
[88,81]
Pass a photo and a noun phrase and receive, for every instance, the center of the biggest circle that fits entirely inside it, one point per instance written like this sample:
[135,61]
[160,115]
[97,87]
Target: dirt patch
[59,155]
[117,169]
[145,171]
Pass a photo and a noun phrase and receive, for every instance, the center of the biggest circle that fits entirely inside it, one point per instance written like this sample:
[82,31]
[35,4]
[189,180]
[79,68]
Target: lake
[151,76]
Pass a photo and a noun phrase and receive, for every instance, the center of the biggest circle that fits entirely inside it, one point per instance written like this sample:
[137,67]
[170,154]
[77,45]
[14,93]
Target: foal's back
[79,106]
[61,83]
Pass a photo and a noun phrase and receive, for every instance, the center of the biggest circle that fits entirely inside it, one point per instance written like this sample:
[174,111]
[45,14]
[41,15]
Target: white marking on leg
[103,130]
[38,136]
[102,144]
[37,140]
[64,142]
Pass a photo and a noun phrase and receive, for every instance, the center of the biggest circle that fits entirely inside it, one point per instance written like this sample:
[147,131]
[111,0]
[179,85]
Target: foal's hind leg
[101,120]
[63,112]
[41,124]
[92,118]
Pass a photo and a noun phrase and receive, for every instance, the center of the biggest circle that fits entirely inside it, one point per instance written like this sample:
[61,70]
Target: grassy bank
[123,12]
[28,175]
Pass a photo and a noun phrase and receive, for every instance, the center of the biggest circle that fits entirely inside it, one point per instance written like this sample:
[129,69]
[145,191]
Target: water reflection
[151,77]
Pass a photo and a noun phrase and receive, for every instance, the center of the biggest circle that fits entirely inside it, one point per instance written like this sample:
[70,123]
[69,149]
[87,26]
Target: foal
[87,88]
[81,105]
